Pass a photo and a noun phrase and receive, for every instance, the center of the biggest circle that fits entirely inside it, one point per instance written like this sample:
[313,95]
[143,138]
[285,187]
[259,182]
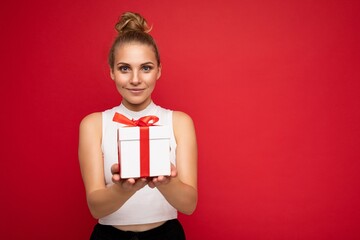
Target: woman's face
[135,74]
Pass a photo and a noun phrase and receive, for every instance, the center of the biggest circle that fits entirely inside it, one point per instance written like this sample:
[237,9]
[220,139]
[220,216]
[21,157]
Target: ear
[159,72]
[112,74]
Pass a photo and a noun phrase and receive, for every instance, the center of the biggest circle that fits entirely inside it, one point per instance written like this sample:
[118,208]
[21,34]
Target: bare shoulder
[91,121]
[183,125]
[92,117]
[182,119]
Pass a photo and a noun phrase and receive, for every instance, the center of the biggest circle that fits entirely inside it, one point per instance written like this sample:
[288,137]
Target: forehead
[134,53]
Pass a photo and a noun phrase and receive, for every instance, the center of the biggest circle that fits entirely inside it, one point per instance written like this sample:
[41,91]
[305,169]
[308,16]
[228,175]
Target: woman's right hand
[129,184]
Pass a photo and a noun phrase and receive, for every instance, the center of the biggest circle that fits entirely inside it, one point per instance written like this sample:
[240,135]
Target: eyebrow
[122,63]
[142,64]
[147,63]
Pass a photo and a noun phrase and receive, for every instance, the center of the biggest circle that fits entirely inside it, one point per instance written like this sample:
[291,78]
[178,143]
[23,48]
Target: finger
[151,184]
[140,183]
[164,179]
[116,178]
[115,168]
[173,172]
[160,178]
[154,180]
[128,183]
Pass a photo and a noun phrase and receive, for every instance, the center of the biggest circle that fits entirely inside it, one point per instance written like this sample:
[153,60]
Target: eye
[147,68]
[124,68]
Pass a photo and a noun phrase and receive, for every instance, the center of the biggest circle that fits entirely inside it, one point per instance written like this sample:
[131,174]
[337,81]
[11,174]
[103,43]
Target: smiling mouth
[135,90]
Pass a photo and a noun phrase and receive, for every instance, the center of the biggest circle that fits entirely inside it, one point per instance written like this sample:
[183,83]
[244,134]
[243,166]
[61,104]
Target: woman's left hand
[162,180]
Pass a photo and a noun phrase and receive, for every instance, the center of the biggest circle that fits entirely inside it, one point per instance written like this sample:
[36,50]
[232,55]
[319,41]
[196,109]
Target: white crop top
[147,205]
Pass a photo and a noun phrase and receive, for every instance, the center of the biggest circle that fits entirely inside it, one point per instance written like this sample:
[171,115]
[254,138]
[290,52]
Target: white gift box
[157,154]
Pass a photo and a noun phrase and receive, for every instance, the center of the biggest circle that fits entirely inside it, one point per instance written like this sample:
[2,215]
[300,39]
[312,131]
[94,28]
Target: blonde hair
[132,27]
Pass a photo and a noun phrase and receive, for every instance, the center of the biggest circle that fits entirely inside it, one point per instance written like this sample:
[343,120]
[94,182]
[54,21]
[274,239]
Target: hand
[162,180]
[129,183]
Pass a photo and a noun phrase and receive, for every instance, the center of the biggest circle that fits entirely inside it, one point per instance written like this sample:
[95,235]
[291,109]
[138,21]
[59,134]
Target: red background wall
[273,87]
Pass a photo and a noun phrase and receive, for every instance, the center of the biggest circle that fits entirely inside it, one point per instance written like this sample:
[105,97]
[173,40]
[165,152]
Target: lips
[136,90]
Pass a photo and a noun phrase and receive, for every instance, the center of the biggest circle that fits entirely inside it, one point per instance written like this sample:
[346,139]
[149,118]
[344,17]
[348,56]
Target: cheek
[151,79]
[121,80]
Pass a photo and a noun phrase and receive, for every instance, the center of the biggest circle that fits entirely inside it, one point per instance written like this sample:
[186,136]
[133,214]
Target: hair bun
[130,21]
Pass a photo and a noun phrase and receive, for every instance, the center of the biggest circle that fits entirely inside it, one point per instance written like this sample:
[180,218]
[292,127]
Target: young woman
[136,208]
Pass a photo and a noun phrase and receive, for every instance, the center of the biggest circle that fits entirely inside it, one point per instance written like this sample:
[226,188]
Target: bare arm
[180,190]
[101,200]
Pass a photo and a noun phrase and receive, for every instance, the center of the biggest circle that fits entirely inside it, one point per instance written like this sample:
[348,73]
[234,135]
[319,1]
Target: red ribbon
[143,123]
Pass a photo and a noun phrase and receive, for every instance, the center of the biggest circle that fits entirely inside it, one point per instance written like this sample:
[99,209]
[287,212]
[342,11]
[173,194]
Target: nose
[135,79]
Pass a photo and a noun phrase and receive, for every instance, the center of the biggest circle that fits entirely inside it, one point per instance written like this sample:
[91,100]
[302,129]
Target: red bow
[141,122]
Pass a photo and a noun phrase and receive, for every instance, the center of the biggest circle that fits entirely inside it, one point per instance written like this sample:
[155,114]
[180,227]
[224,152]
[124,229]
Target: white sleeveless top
[147,205]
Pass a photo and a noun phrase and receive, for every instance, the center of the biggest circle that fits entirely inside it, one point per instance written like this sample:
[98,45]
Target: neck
[136,107]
